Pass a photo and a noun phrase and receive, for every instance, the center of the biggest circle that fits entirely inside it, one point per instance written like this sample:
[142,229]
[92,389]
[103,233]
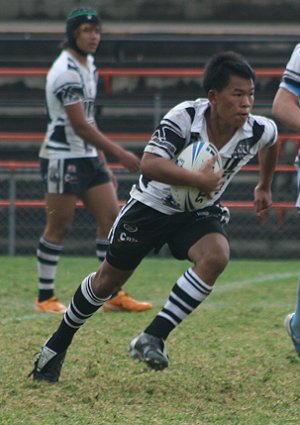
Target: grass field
[231,361]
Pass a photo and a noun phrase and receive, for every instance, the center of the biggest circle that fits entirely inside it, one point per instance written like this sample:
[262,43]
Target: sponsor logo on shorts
[130,228]
[125,238]
[71,175]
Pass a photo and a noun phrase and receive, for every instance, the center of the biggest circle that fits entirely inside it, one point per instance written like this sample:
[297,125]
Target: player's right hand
[210,181]
[130,161]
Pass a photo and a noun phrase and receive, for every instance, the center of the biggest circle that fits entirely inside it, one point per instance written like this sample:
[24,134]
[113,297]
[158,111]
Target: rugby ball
[192,158]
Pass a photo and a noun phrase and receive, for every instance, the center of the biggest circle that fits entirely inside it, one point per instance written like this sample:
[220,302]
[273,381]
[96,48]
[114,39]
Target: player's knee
[216,261]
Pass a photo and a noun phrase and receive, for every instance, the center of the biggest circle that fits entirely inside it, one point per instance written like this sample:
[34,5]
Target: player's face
[234,103]
[88,37]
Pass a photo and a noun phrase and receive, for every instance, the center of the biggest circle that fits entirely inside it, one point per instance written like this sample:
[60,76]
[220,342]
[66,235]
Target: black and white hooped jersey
[185,124]
[291,76]
[68,82]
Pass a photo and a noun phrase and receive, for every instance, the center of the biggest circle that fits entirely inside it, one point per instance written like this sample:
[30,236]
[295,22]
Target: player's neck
[80,58]
[219,133]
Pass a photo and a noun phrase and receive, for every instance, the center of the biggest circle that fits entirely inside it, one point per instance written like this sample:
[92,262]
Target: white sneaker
[287,324]
[150,350]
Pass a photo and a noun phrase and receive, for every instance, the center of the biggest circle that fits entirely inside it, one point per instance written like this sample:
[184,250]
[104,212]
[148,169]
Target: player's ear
[212,96]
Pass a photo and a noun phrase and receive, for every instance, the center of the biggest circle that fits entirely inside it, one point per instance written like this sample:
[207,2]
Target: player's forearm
[288,116]
[268,161]
[286,109]
[95,137]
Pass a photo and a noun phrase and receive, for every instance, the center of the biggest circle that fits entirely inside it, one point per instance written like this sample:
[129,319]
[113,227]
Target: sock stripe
[48,262]
[186,298]
[187,294]
[45,281]
[76,318]
[172,314]
[86,288]
[180,304]
[70,323]
[48,255]
[74,311]
[50,247]
[83,305]
[197,282]
[166,315]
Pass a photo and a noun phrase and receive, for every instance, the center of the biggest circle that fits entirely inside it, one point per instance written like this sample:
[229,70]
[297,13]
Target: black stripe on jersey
[244,146]
[57,149]
[70,94]
[166,120]
[288,80]
[258,130]
[162,148]
[191,112]
[72,65]
[67,86]
[59,135]
[167,139]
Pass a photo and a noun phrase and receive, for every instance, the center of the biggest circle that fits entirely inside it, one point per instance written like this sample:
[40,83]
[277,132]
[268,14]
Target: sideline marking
[224,287]
[229,286]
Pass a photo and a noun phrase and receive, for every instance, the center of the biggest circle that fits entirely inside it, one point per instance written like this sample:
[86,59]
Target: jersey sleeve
[270,135]
[68,88]
[170,136]
[291,76]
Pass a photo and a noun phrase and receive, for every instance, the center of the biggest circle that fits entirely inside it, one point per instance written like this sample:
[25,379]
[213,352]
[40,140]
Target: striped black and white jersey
[68,82]
[291,82]
[291,76]
[185,124]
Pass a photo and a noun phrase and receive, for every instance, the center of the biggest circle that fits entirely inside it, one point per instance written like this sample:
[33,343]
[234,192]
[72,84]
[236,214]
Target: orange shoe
[51,305]
[122,302]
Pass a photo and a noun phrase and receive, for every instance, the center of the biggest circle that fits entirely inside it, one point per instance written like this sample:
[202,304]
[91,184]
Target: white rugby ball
[192,158]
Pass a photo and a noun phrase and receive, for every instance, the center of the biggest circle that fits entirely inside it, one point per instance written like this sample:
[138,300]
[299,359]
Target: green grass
[231,361]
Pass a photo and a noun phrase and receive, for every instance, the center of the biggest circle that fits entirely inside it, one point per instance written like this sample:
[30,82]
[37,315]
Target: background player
[286,109]
[72,161]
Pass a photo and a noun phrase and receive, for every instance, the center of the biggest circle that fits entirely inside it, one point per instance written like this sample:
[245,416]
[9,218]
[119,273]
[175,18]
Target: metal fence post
[12,214]
[157,110]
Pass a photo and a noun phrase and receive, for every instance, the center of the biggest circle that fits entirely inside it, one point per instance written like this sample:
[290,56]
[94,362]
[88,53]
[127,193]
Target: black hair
[221,66]
[75,18]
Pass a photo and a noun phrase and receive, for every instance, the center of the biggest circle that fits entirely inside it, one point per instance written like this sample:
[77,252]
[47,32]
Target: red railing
[38,137]
[109,73]
[13,166]
[136,137]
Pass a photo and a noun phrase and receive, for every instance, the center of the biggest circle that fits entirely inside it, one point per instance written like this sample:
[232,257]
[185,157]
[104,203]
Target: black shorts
[139,229]
[73,176]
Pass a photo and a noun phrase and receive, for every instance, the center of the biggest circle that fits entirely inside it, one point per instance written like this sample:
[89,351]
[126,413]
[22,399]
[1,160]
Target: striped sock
[48,255]
[83,305]
[186,295]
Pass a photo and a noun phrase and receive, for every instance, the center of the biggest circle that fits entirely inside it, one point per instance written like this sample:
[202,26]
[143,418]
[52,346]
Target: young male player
[152,218]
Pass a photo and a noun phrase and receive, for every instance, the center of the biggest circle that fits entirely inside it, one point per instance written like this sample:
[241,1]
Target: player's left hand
[262,199]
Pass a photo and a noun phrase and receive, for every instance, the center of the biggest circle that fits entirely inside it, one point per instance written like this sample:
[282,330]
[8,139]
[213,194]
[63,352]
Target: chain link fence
[274,235]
